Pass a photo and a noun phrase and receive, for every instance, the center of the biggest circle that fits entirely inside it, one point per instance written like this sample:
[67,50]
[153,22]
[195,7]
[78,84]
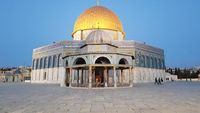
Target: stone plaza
[171,97]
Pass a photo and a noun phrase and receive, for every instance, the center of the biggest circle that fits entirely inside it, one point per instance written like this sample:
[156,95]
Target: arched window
[142,61]
[102,60]
[33,64]
[59,60]
[49,62]
[163,64]
[152,62]
[159,64]
[41,63]
[37,63]
[156,63]
[54,61]
[79,61]
[137,60]
[147,62]
[123,61]
[45,63]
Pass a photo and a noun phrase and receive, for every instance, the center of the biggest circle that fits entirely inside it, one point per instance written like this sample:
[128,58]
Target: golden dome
[98,17]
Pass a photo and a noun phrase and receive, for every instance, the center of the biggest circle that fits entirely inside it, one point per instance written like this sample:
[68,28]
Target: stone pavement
[172,97]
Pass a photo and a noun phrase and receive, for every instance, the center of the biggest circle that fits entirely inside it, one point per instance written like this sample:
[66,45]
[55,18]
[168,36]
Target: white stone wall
[53,75]
[142,75]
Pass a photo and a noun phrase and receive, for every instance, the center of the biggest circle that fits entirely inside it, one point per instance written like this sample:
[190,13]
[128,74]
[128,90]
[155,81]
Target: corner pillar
[77,77]
[90,76]
[130,77]
[63,77]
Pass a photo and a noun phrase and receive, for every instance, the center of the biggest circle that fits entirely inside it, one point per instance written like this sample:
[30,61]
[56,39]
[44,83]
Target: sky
[173,25]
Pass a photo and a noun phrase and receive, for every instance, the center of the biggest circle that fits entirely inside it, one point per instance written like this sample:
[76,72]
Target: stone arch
[45,62]
[156,63]
[37,63]
[54,61]
[41,63]
[102,60]
[79,61]
[59,60]
[49,62]
[143,61]
[163,64]
[152,62]
[106,57]
[147,61]
[33,64]
[159,64]
[123,61]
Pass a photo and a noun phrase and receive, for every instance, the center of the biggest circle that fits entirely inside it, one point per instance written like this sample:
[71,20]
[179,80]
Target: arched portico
[79,78]
[102,60]
[124,72]
[102,73]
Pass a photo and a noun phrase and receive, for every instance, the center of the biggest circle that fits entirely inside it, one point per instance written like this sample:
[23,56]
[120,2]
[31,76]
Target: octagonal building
[97,56]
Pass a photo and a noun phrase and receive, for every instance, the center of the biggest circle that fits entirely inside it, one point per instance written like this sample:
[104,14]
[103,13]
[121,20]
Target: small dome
[98,36]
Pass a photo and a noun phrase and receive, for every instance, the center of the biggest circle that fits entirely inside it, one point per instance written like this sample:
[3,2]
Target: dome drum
[83,34]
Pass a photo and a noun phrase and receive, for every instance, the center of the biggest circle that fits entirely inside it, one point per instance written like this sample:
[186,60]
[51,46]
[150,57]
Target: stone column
[77,77]
[130,77]
[70,77]
[90,77]
[105,77]
[120,76]
[73,74]
[82,76]
[86,73]
[93,77]
[115,77]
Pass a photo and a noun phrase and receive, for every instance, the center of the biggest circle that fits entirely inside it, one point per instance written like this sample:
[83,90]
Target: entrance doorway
[99,77]
[100,72]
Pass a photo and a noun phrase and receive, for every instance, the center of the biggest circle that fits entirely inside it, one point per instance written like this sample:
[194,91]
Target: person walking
[156,81]
[159,81]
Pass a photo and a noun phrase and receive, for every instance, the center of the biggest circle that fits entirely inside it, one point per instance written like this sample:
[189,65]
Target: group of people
[158,81]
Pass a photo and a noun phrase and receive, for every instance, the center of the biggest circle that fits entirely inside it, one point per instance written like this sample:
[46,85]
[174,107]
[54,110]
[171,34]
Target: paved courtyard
[172,97]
